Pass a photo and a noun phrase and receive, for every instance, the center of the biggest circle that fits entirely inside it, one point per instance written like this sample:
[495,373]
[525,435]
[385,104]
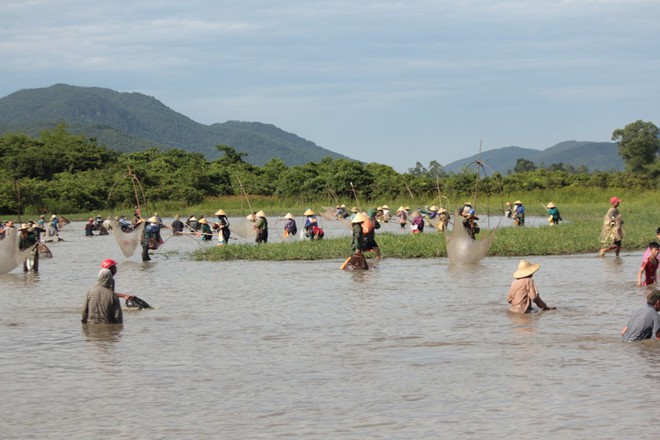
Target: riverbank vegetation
[579,233]
[59,172]
[68,174]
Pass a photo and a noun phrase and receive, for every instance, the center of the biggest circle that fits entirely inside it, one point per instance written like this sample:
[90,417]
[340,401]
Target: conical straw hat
[289,216]
[551,205]
[309,212]
[359,218]
[261,213]
[220,212]
[525,269]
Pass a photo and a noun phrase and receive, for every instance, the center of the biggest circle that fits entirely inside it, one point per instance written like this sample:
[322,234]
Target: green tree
[638,145]
[523,165]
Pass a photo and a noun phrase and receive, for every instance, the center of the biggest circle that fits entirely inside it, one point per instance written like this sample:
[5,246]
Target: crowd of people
[102,302]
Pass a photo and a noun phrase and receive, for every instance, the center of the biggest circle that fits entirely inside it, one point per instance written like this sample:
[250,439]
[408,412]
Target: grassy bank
[582,210]
[575,236]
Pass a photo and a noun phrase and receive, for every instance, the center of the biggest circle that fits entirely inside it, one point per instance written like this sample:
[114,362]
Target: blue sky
[394,82]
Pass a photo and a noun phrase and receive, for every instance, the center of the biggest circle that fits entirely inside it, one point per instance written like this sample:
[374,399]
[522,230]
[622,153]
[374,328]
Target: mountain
[596,156]
[129,122]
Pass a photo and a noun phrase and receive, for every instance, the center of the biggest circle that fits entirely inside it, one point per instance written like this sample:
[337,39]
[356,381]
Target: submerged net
[127,241]
[461,249]
[10,254]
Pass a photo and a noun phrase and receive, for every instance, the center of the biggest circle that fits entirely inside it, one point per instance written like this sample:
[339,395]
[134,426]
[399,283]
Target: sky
[393,82]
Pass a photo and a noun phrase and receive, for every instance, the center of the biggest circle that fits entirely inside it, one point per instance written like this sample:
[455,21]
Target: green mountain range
[596,156]
[130,122]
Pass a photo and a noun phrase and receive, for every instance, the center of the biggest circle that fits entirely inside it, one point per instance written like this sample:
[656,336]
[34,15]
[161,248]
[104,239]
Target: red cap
[614,200]
[108,263]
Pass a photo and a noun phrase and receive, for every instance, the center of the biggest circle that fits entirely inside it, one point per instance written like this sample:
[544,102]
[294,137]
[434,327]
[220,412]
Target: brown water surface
[411,349]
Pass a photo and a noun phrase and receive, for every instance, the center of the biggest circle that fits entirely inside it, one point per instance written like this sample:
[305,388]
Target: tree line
[63,172]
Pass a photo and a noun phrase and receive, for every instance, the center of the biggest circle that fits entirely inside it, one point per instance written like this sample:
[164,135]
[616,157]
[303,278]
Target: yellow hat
[386,207]
[153,219]
[220,212]
[354,209]
[433,208]
[289,216]
[203,221]
[359,218]
[261,213]
[551,205]
[517,202]
[525,269]
[309,212]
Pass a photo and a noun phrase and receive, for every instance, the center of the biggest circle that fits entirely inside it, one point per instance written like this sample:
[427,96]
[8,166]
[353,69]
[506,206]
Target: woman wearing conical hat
[522,292]
[554,216]
[403,216]
[261,227]
[357,260]
[223,225]
[310,222]
[290,227]
[205,230]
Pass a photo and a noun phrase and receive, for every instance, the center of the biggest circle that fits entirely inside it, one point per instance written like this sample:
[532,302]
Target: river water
[411,349]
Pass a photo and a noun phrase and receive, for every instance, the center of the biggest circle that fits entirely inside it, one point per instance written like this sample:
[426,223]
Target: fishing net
[461,249]
[127,240]
[356,262]
[328,213]
[244,228]
[10,254]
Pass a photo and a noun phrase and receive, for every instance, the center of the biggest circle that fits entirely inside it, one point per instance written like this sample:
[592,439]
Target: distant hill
[596,156]
[129,122]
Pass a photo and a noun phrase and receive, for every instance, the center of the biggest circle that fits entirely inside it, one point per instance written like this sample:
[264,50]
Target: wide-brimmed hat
[433,208]
[309,212]
[261,213]
[614,200]
[193,218]
[508,203]
[24,227]
[517,202]
[220,212]
[203,221]
[354,209]
[406,208]
[468,203]
[53,216]
[525,269]
[153,219]
[551,205]
[359,218]
[400,209]
[386,207]
[441,210]
[289,216]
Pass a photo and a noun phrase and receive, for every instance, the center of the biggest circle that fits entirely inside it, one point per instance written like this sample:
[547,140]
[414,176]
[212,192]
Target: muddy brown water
[411,349]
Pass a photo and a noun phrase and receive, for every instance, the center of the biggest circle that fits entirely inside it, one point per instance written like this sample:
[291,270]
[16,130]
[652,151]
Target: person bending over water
[523,290]
[645,322]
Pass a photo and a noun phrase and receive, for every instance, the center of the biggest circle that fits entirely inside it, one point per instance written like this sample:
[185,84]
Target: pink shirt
[521,294]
